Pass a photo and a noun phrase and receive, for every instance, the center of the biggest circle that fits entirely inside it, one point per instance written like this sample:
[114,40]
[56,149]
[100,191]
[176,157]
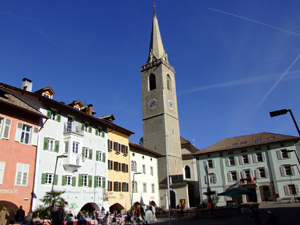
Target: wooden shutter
[205,179]
[80,180]
[293,171]
[90,129]
[297,189]
[90,180]
[34,136]
[103,134]
[91,154]
[257,173]
[235,160]
[279,155]
[49,113]
[126,168]
[6,128]
[95,181]
[249,158]
[82,126]
[18,132]
[215,178]
[25,174]
[282,171]
[286,190]
[266,172]
[63,181]
[97,131]
[227,161]
[73,181]
[45,143]
[263,154]
[103,157]
[229,177]
[58,116]
[255,158]
[103,182]
[44,178]
[55,179]
[97,155]
[126,150]
[241,160]
[56,146]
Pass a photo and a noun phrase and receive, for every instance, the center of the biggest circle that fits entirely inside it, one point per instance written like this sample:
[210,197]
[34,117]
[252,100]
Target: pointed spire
[156,46]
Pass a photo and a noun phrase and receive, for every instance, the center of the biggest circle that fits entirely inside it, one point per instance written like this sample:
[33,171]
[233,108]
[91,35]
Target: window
[69,124]
[117,186]
[262,173]
[234,144]
[68,180]
[144,169]
[109,184]
[169,87]
[117,166]
[110,164]
[47,178]
[2,167]
[66,146]
[22,174]
[46,95]
[85,152]
[244,142]
[25,136]
[187,171]
[231,161]
[98,181]
[53,115]
[288,170]
[75,147]
[291,189]
[133,166]
[98,131]
[76,107]
[152,82]
[258,140]
[100,156]
[125,187]
[247,173]
[210,163]
[245,159]
[232,176]
[144,187]
[124,149]
[151,170]
[51,144]
[152,188]
[134,187]
[259,157]
[4,127]
[124,168]
[84,182]
[109,144]
[212,178]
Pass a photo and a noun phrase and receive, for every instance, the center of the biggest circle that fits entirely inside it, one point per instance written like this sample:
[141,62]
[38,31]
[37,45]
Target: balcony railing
[73,127]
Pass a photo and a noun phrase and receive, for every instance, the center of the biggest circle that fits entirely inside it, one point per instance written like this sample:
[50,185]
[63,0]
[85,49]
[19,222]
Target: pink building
[19,129]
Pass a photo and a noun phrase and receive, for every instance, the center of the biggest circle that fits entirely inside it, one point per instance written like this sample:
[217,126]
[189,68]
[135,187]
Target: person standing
[272,219]
[20,215]
[4,214]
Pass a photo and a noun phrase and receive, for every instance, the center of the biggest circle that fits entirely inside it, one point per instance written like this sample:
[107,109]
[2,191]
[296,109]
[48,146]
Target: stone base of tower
[178,194]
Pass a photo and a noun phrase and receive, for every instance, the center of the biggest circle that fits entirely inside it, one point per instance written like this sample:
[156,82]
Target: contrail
[254,21]
[252,80]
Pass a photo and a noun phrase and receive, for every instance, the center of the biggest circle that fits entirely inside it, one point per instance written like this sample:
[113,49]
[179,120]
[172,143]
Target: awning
[236,192]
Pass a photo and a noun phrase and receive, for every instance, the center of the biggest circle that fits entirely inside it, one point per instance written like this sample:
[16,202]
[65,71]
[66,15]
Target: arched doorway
[90,208]
[173,199]
[116,207]
[11,207]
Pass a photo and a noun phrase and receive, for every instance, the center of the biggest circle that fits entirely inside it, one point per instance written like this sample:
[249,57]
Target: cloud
[254,21]
[252,80]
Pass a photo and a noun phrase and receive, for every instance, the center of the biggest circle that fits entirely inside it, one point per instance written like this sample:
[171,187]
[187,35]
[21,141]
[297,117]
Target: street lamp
[57,157]
[133,191]
[284,111]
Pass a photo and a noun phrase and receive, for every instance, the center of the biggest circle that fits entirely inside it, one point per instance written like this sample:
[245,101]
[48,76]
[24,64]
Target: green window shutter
[103,157]
[103,182]
[82,126]
[73,181]
[90,180]
[90,129]
[63,181]
[56,146]
[95,181]
[91,154]
[49,113]
[97,131]
[103,134]
[45,143]
[80,180]
[58,116]
[55,179]
[97,155]
[43,178]
[82,150]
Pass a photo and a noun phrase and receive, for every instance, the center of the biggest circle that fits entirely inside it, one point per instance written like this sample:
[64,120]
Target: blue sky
[235,61]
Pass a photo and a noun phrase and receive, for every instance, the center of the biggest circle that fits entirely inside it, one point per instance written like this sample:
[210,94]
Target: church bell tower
[160,113]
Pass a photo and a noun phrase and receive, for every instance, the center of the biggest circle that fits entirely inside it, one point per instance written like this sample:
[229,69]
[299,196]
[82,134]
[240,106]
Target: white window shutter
[237,175]
[282,171]
[6,131]
[249,158]
[279,155]
[215,178]
[293,171]
[255,158]
[297,189]
[266,172]
[263,156]
[205,179]
[289,154]
[25,174]
[286,190]
[2,167]
[18,132]
[18,178]
[235,160]
[241,160]
[34,136]
[229,177]
[244,174]
[213,162]
[227,161]
[256,173]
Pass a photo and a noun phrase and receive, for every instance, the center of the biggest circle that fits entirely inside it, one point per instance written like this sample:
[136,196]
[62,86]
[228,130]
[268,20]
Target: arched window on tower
[152,82]
[187,172]
[169,86]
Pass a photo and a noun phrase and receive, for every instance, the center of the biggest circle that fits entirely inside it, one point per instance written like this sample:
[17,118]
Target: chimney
[27,84]
[89,110]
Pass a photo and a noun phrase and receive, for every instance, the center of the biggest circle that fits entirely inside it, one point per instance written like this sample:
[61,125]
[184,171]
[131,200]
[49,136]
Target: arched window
[169,86]
[187,171]
[152,82]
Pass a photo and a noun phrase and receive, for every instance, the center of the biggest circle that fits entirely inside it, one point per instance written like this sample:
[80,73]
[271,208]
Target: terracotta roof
[184,141]
[49,89]
[247,141]
[145,149]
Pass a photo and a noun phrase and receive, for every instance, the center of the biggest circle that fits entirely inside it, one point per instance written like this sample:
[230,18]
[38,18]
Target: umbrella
[236,192]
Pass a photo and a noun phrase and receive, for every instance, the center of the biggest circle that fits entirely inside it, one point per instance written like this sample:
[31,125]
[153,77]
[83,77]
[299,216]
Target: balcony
[72,162]
[73,128]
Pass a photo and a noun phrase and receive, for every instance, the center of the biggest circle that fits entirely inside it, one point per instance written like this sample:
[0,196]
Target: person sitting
[36,219]
[28,219]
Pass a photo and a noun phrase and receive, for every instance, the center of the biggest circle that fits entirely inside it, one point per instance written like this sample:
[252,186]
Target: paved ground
[288,214]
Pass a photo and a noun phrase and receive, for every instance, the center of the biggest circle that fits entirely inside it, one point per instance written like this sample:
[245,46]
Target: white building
[263,163]
[77,141]
[144,175]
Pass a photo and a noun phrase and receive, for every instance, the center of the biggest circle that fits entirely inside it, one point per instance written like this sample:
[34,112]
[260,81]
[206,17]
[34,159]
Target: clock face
[152,104]
[171,104]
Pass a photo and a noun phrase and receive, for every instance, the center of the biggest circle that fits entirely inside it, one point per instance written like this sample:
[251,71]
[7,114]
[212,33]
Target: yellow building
[118,168]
